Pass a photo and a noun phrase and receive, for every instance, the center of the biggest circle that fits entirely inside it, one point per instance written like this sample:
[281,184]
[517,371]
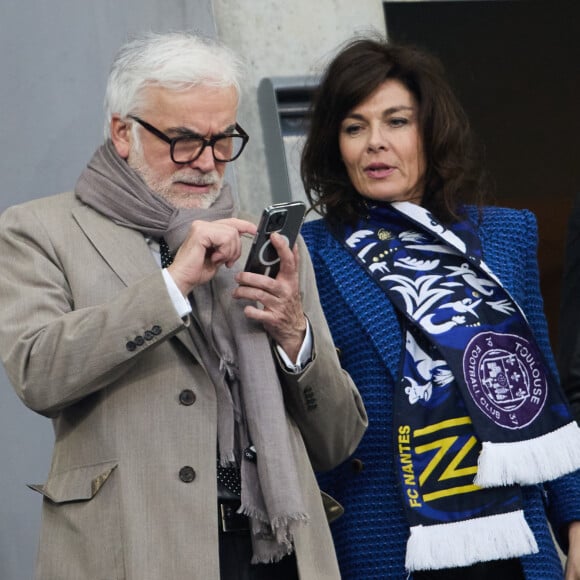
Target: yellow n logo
[454,468]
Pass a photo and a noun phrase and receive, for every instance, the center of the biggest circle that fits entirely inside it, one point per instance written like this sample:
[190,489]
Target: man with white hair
[190,400]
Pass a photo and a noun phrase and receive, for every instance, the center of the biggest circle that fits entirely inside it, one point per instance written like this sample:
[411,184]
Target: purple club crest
[504,376]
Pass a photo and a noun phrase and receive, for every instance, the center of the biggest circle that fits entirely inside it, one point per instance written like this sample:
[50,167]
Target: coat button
[187,474]
[148,335]
[139,340]
[156,330]
[357,465]
[187,397]
[131,346]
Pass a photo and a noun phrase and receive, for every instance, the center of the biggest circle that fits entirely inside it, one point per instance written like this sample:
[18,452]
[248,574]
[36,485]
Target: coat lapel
[124,250]
[126,253]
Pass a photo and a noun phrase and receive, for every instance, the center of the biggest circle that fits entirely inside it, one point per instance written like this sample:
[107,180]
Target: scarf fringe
[531,461]
[279,523]
[270,555]
[467,542]
[272,540]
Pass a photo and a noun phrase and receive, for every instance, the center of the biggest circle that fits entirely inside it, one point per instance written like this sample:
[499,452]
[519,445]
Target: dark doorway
[515,66]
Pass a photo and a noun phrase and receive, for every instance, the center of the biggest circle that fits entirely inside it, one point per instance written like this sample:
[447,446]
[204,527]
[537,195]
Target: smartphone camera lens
[276,221]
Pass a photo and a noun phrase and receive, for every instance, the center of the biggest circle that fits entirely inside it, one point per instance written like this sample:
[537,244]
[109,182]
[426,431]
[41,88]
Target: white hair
[174,60]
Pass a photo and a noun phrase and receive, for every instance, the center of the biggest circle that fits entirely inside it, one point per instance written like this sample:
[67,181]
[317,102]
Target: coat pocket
[81,535]
[78,484]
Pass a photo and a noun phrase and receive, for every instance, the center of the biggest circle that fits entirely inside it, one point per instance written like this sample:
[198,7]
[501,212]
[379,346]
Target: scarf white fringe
[531,461]
[467,542]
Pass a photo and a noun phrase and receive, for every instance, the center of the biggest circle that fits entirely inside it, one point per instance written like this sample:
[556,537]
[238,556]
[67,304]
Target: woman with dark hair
[433,301]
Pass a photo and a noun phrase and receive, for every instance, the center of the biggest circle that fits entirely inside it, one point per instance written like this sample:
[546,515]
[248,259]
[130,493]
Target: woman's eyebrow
[389,111]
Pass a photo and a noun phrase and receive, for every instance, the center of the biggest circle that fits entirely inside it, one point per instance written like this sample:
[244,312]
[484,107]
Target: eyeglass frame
[205,142]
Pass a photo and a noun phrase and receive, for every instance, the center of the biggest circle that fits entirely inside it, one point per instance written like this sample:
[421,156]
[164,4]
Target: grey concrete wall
[282,38]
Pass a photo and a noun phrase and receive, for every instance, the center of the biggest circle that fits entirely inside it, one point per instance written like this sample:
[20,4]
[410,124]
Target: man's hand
[208,246]
[282,314]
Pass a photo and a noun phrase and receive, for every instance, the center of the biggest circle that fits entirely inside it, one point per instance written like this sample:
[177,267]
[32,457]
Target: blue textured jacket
[371,536]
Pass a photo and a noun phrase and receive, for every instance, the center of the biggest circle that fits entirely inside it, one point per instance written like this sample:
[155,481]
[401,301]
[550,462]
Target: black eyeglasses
[187,148]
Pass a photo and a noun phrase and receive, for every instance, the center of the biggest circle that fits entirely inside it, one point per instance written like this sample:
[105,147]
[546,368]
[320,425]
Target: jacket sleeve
[58,347]
[323,399]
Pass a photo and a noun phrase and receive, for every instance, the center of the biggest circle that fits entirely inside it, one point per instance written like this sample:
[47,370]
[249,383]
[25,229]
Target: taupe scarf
[235,351]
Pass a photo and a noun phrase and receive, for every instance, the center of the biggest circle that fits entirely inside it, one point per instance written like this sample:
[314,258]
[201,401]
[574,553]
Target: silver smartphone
[284,218]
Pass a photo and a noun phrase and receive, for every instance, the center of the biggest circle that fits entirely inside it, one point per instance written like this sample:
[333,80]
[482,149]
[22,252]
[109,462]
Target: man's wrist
[304,353]
[181,304]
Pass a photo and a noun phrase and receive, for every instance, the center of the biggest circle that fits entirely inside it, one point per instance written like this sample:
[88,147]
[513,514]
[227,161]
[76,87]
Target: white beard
[163,186]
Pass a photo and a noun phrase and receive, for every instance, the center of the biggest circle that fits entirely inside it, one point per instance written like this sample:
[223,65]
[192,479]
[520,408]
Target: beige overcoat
[90,338]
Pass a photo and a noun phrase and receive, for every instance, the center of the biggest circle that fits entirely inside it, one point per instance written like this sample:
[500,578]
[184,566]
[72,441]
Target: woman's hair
[174,60]
[452,175]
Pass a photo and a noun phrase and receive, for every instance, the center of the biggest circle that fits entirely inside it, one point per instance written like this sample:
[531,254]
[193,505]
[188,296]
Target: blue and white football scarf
[477,412]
